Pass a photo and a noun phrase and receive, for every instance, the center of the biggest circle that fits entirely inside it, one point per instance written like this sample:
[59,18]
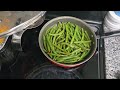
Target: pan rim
[67,65]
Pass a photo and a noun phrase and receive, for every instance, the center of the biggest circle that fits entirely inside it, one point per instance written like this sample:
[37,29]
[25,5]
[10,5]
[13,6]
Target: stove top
[32,58]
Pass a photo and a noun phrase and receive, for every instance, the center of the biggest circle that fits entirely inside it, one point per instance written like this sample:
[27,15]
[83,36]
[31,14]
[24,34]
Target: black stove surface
[32,57]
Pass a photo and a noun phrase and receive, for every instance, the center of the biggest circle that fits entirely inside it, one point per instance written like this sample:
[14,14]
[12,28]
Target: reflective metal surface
[18,22]
[23,25]
[78,22]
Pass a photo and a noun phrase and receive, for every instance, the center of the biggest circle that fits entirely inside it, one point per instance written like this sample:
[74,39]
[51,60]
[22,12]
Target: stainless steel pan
[81,23]
[78,22]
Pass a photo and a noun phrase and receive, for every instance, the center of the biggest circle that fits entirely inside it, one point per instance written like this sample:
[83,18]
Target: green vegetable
[66,43]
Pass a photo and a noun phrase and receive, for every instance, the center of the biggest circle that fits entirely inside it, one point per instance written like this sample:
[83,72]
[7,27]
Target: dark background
[92,15]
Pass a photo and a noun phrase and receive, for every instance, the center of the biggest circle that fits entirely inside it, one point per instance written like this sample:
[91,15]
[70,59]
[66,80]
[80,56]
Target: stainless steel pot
[78,22]
[81,23]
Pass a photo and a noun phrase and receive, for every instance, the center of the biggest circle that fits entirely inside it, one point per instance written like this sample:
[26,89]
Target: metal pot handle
[16,40]
[92,22]
[108,34]
[17,37]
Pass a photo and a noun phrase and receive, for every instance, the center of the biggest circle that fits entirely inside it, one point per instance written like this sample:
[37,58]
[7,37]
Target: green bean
[45,50]
[83,38]
[50,55]
[47,31]
[83,41]
[83,34]
[50,44]
[68,59]
[56,34]
[84,55]
[82,46]
[71,32]
[61,49]
[73,37]
[71,61]
[77,50]
[60,36]
[79,34]
[66,43]
[87,35]
[67,30]
[53,54]
[47,46]
[63,53]
[74,34]
[63,58]
[71,24]
[59,24]
[61,41]
[44,42]
[51,29]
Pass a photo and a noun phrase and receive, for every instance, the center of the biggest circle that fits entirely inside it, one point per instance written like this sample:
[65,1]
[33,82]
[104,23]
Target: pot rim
[66,65]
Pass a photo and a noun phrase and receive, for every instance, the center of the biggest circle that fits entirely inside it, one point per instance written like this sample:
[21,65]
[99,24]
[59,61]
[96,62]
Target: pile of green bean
[66,43]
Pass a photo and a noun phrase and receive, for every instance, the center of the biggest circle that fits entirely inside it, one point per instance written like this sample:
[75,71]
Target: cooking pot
[80,23]
[74,20]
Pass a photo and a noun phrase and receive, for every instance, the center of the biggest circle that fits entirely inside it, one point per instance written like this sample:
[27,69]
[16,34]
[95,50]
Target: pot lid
[17,21]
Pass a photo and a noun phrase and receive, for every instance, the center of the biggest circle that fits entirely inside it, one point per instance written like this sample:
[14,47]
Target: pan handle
[16,40]
[109,34]
[106,35]
[93,22]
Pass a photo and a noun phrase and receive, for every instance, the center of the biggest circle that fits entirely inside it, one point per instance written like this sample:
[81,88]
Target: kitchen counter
[112,57]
